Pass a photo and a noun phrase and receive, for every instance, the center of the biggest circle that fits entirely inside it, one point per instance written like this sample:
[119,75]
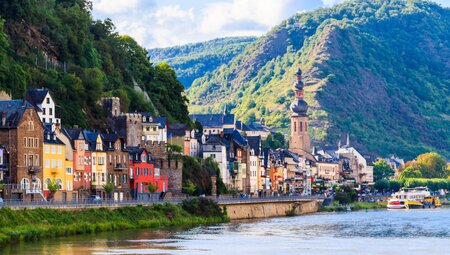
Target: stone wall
[268,209]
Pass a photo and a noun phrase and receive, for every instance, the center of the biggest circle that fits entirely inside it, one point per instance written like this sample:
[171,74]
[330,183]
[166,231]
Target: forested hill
[56,44]
[377,69]
[192,61]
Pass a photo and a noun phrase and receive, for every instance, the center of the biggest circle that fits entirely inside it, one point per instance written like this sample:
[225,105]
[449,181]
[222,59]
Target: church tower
[299,141]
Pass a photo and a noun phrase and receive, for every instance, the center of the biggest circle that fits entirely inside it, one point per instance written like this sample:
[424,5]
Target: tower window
[301,126]
[295,126]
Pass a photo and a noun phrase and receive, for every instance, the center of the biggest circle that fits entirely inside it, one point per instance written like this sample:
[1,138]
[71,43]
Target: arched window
[25,183]
[37,185]
[295,126]
[59,182]
[47,181]
[301,126]
[306,126]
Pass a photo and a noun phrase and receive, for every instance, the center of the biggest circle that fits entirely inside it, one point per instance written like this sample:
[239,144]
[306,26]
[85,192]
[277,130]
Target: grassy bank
[354,207]
[41,223]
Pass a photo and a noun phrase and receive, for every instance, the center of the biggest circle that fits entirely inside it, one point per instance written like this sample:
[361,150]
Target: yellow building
[57,169]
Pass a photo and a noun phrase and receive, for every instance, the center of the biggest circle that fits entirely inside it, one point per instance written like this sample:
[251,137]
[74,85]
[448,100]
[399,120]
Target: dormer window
[144,119]
[144,158]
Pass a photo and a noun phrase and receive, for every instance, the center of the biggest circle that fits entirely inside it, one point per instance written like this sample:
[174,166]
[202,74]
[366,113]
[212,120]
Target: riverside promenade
[237,208]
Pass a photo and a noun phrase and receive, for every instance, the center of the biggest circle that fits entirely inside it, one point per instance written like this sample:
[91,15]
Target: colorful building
[98,162]
[56,169]
[143,172]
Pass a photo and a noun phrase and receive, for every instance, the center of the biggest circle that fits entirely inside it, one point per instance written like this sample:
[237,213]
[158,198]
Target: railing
[112,203]
[34,169]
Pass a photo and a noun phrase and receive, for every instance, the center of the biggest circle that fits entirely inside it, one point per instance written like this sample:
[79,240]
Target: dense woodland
[378,70]
[56,44]
[192,61]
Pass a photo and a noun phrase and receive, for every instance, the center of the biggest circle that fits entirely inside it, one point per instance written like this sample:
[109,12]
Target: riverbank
[353,207]
[34,224]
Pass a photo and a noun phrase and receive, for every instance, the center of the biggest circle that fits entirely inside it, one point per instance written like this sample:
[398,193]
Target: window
[50,111]
[60,150]
[93,177]
[47,163]
[53,149]
[124,178]
[110,158]
[43,120]
[93,160]
[143,158]
[25,159]
[30,160]
[157,171]
[36,160]
[145,171]
[295,126]
[48,100]
[68,170]
[53,163]
[301,126]
[137,171]
[47,149]
[59,164]
[103,177]
[68,185]
[30,142]
[43,111]
[24,142]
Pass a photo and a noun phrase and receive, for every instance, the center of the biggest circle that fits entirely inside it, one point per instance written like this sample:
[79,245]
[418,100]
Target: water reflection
[374,232]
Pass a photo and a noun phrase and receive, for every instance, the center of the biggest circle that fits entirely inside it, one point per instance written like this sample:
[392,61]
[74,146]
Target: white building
[44,104]
[214,148]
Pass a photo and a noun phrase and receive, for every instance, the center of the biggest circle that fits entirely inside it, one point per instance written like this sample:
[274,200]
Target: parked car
[371,200]
[94,199]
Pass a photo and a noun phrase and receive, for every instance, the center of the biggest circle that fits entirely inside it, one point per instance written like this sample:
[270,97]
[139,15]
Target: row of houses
[36,151]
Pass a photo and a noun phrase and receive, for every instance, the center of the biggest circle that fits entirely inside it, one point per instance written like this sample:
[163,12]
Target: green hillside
[192,61]
[56,44]
[379,70]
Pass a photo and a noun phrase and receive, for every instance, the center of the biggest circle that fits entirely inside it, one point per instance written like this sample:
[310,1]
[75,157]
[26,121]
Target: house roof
[36,97]
[239,139]
[213,120]
[50,136]
[254,143]
[177,129]
[13,110]
[215,140]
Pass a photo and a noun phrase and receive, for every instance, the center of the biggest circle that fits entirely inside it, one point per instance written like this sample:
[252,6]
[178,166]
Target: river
[373,232]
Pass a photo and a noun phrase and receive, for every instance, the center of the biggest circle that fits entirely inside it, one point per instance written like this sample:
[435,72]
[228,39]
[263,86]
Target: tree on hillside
[381,170]
[275,141]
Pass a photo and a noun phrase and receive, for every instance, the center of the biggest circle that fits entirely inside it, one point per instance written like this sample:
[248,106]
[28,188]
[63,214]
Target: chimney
[58,126]
[3,118]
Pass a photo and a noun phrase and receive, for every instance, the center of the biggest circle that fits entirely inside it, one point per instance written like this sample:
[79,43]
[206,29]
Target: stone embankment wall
[267,209]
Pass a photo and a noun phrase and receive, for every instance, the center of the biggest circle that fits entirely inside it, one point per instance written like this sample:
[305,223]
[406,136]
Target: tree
[190,188]
[152,188]
[275,141]
[381,170]
[382,185]
[108,187]
[395,185]
[433,165]
[52,187]
[411,172]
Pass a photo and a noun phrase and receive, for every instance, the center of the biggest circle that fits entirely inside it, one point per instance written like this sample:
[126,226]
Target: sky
[165,23]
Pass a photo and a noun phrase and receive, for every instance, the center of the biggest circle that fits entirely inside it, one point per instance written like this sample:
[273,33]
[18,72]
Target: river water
[372,232]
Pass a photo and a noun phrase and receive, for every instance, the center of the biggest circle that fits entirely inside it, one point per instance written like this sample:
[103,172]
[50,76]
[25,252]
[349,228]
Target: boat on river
[413,198]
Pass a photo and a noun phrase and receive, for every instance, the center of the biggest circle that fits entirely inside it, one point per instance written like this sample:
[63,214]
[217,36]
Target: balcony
[34,170]
[120,167]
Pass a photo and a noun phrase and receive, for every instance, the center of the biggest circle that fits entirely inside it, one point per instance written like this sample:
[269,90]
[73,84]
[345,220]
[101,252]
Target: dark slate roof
[257,126]
[133,150]
[254,142]
[214,140]
[91,139]
[228,131]
[177,129]
[241,126]
[13,110]
[50,136]
[36,96]
[161,121]
[213,120]
[239,139]
[110,137]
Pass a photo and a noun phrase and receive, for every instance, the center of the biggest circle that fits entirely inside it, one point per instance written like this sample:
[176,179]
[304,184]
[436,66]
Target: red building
[144,171]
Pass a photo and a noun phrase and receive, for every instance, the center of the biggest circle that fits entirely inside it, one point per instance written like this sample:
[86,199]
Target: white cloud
[163,23]
[115,6]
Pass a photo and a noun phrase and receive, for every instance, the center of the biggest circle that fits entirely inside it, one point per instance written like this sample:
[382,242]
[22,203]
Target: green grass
[357,206]
[26,225]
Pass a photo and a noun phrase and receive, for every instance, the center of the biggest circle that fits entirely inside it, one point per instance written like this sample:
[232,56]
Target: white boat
[410,198]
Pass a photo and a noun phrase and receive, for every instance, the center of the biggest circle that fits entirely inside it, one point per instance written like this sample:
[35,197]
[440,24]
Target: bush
[202,207]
